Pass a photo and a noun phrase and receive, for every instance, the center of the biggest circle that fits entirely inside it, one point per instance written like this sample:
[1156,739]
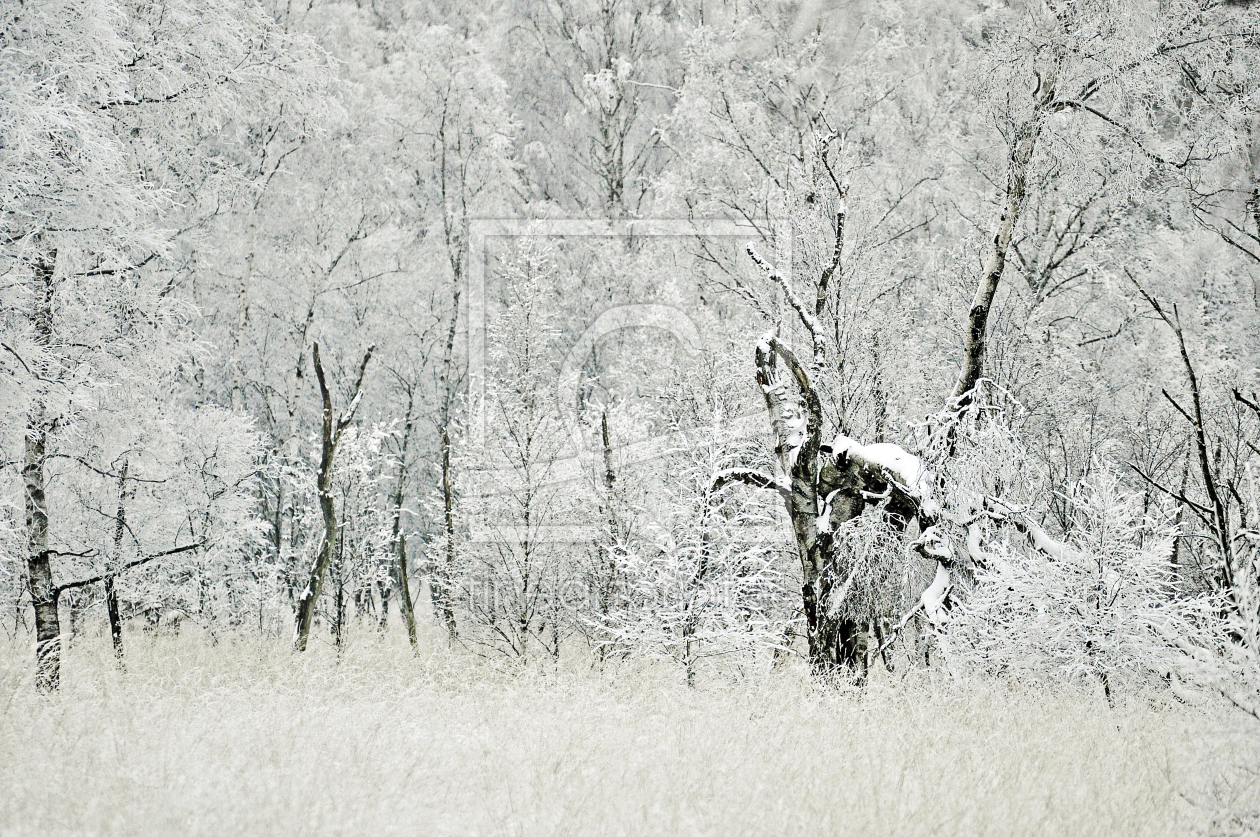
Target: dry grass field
[243,737]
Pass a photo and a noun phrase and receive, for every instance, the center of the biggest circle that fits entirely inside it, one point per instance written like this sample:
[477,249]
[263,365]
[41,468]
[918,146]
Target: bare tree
[333,428]
[398,540]
[606,56]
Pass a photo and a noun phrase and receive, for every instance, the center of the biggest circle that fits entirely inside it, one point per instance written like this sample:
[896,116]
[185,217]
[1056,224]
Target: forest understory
[243,737]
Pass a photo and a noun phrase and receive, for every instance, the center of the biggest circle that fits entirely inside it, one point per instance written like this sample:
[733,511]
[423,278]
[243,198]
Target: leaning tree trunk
[38,557]
[975,340]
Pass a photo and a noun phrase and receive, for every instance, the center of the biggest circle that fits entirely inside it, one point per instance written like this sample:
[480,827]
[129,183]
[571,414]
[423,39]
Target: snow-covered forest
[869,340]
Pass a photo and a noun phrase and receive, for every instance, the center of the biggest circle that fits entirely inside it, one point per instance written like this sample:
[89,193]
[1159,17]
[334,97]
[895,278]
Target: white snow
[937,543]
[795,424]
[905,466]
[974,548]
[900,464]
[933,597]
[1043,541]
[824,513]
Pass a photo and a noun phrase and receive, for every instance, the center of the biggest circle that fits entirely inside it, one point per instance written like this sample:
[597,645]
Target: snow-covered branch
[1001,511]
[749,477]
[807,317]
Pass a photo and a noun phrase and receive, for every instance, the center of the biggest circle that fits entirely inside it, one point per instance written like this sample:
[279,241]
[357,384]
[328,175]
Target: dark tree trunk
[38,556]
[332,430]
[327,507]
[448,509]
[406,605]
[339,601]
[115,618]
[116,563]
[386,589]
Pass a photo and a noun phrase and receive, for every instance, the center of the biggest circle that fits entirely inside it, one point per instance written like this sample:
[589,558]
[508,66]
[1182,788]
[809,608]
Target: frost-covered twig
[1210,671]
[931,601]
[1220,514]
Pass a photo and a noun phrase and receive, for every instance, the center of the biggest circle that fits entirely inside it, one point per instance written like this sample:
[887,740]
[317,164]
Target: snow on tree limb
[894,465]
[933,598]
[1211,671]
[900,467]
[807,317]
[1021,521]
[749,477]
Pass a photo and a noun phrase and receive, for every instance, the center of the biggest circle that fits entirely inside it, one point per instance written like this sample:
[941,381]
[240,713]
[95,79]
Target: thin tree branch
[137,562]
[756,479]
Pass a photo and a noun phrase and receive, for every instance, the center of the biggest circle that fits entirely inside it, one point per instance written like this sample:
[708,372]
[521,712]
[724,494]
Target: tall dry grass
[244,737]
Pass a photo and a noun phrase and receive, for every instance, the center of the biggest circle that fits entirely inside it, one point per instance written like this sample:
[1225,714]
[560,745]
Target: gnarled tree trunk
[824,486]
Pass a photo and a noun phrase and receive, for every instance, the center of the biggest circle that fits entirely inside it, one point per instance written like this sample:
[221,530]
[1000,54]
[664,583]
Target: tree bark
[610,583]
[115,565]
[324,558]
[38,556]
[331,431]
[339,601]
[406,605]
[610,478]
[446,573]
[454,217]
[789,401]
[448,508]
[974,340]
